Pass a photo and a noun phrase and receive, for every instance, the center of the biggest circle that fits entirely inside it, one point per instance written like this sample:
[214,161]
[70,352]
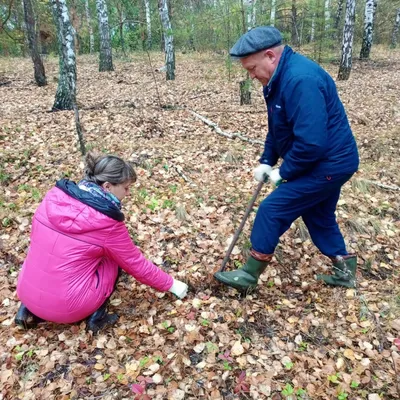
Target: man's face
[261,65]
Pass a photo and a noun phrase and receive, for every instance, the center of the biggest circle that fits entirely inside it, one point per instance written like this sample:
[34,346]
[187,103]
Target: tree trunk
[368,26]
[245,92]
[148,24]
[347,45]
[312,33]
[338,18]
[327,16]
[295,33]
[90,29]
[395,33]
[168,40]
[66,90]
[30,24]
[273,11]
[106,63]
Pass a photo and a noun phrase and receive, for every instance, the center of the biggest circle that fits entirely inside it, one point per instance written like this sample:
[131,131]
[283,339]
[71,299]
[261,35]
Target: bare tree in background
[90,29]
[347,44]
[368,30]
[32,34]
[66,89]
[106,63]
[168,40]
[395,33]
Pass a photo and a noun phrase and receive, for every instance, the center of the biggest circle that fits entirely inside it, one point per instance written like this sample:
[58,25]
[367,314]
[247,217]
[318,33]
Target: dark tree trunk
[30,24]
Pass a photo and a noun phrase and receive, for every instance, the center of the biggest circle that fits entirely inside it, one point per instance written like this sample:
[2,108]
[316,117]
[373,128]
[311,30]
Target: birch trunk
[347,45]
[66,90]
[106,63]
[30,25]
[395,33]
[273,11]
[168,40]
[327,13]
[90,29]
[338,18]
[148,24]
[368,30]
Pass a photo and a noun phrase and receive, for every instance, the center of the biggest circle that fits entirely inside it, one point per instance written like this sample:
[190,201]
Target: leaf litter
[292,336]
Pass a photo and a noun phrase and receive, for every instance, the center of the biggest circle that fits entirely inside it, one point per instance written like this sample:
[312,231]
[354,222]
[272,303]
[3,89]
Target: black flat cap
[257,39]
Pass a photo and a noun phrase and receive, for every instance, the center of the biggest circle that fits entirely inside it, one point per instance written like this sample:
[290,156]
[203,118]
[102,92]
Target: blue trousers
[314,198]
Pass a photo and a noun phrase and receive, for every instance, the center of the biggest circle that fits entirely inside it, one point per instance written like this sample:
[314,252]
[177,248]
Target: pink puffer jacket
[73,260]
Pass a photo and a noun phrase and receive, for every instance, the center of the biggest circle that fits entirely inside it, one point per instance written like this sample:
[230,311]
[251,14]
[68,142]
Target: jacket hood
[105,207]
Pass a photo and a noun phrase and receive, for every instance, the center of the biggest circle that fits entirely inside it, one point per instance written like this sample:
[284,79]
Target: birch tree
[395,33]
[368,30]
[148,24]
[32,34]
[347,45]
[168,40]
[327,13]
[338,17]
[66,90]
[273,12]
[106,63]
[90,29]
[295,33]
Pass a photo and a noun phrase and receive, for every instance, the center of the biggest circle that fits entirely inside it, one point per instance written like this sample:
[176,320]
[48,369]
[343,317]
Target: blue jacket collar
[273,83]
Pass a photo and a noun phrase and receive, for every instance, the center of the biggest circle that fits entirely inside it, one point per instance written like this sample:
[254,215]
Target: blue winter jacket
[308,126]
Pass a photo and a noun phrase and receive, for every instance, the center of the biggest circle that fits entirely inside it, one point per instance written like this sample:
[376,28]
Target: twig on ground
[179,170]
[381,185]
[229,135]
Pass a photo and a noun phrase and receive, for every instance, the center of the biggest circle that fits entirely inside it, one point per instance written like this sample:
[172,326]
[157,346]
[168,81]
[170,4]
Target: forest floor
[292,338]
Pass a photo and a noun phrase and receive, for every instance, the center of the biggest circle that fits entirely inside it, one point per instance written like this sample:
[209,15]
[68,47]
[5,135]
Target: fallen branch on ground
[179,170]
[226,134]
[381,185]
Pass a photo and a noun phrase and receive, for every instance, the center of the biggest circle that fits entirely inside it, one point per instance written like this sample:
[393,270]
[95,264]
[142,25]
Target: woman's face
[120,190]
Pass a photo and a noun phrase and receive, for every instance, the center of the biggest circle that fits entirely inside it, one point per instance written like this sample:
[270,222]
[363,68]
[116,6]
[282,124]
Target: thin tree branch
[226,134]
[9,14]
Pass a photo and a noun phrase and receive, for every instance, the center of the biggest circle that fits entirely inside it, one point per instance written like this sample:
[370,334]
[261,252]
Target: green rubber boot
[344,272]
[244,278]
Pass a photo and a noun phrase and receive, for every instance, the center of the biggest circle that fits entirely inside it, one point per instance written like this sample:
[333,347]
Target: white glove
[275,177]
[261,171]
[179,289]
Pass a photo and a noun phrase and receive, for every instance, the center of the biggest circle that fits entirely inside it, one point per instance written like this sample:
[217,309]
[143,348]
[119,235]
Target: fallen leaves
[290,334]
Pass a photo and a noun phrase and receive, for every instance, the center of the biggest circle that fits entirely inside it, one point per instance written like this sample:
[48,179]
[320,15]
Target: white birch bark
[327,15]
[312,33]
[368,29]
[148,24]
[347,44]
[273,11]
[66,90]
[395,33]
[90,29]
[106,63]
[169,41]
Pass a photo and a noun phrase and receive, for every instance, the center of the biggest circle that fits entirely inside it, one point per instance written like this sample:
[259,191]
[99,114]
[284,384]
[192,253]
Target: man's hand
[275,177]
[179,289]
[261,172]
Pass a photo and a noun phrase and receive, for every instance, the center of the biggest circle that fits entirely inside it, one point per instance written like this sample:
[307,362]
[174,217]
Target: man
[309,130]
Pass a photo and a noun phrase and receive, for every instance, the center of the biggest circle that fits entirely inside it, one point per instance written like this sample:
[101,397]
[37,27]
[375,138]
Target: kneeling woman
[78,243]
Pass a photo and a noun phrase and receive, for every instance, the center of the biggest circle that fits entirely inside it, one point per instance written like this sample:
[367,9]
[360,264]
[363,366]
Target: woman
[78,243]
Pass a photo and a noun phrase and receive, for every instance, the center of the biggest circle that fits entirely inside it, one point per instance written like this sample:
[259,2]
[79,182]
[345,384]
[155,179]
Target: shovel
[239,229]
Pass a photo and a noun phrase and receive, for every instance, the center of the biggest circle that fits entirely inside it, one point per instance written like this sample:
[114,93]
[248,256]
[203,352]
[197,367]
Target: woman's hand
[179,289]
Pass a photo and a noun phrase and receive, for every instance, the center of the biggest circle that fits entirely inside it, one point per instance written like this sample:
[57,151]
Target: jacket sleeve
[122,250]
[307,114]
[269,156]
